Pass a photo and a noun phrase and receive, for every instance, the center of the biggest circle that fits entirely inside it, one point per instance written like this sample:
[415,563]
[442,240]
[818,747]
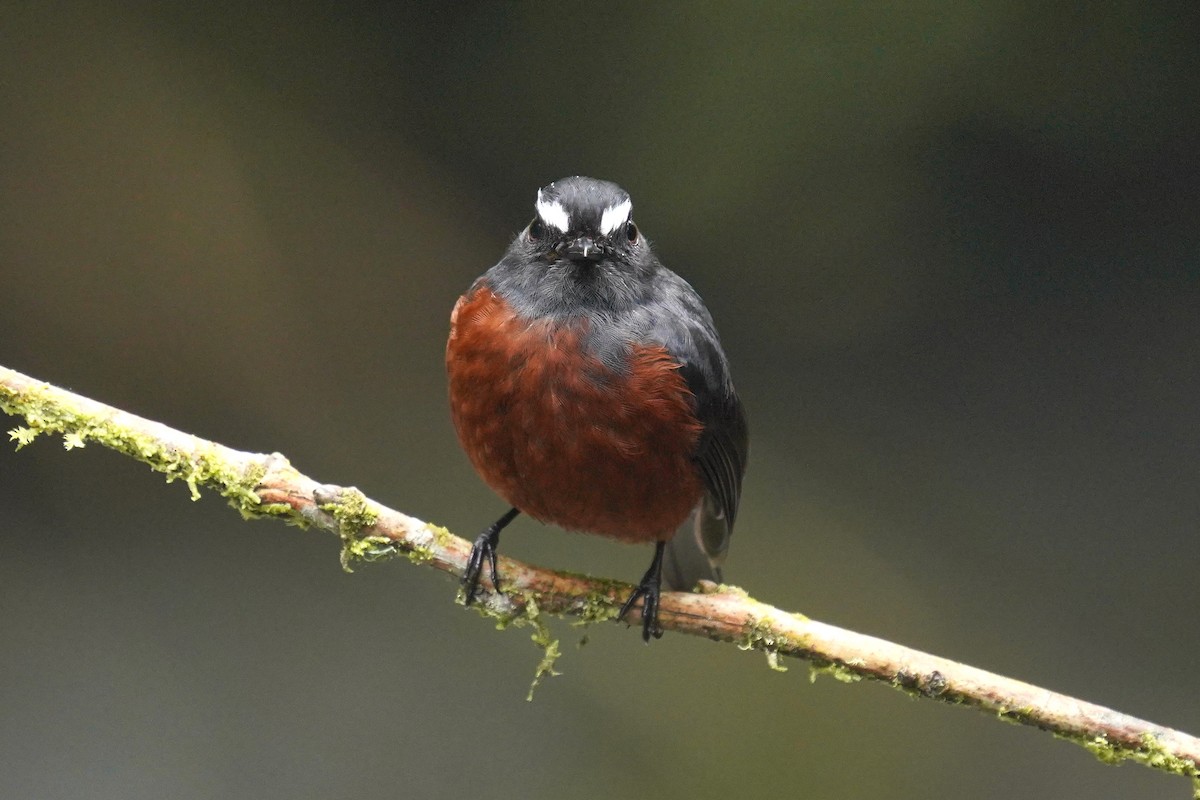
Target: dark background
[952,249]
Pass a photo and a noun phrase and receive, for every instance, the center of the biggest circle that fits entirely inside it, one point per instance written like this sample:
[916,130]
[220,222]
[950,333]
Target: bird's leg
[649,589]
[485,549]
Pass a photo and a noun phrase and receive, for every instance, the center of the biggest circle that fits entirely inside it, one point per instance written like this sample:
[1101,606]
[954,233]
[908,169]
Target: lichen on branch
[267,485]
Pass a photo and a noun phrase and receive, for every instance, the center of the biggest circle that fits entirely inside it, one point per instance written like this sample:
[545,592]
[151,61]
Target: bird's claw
[483,550]
[648,592]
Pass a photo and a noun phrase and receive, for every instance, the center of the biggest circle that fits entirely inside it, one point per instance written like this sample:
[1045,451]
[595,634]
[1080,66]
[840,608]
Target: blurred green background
[953,252]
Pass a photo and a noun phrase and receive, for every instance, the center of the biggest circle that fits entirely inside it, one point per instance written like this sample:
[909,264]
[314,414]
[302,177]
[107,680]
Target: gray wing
[699,545]
[678,320]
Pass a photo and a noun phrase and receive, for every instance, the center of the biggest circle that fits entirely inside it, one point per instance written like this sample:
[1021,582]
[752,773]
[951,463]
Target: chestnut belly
[564,439]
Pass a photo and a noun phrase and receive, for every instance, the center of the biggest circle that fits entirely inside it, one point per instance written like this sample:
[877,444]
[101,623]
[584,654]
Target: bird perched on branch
[589,389]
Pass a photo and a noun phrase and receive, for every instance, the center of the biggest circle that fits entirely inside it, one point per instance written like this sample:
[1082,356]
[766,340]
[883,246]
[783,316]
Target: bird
[589,389]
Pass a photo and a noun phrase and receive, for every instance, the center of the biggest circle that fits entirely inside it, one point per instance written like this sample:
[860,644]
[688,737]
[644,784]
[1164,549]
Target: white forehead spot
[615,216]
[553,213]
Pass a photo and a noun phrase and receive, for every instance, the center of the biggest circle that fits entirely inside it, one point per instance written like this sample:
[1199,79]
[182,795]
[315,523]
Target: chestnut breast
[564,438]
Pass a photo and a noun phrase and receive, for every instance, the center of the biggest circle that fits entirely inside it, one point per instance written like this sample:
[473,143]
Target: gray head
[587,216]
[581,253]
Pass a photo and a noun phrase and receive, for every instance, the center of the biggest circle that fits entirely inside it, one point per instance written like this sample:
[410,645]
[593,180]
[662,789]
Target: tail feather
[697,549]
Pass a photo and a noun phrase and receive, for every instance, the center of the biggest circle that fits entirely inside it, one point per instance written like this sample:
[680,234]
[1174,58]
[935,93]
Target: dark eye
[631,232]
[536,230]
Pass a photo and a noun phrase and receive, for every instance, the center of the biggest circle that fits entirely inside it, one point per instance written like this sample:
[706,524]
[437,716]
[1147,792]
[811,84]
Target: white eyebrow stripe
[553,213]
[615,216]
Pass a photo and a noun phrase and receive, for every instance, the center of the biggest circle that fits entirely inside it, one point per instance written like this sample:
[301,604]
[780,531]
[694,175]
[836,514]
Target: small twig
[261,485]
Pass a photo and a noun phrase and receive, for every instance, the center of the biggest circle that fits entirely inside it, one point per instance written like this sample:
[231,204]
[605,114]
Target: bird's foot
[648,591]
[483,550]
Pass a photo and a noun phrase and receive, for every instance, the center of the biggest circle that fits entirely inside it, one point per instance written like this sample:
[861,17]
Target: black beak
[584,249]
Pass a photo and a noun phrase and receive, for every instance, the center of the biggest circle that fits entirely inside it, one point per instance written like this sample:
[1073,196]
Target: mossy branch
[260,485]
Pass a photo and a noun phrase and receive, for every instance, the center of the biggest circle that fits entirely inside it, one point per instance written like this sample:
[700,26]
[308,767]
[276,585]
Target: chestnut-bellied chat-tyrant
[589,389]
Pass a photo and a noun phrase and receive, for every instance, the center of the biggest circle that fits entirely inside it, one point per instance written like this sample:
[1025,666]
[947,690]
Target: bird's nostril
[584,248]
